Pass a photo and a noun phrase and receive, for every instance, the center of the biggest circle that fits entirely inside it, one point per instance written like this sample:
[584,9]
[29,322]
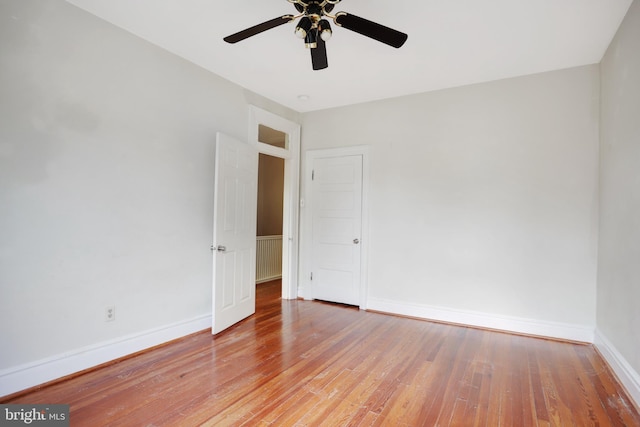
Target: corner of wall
[628,377]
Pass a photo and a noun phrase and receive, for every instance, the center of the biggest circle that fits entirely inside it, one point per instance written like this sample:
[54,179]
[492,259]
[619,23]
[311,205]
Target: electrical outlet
[110,313]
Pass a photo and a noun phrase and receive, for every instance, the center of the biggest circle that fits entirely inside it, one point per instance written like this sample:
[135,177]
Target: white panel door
[234,232]
[337,228]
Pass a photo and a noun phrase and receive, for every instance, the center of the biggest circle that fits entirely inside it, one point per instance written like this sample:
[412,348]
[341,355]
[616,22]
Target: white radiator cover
[268,258]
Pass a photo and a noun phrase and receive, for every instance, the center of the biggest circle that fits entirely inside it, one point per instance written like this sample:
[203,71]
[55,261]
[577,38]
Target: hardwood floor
[298,363]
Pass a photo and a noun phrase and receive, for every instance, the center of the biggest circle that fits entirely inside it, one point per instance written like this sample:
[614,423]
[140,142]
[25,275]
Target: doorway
[278,141]
[269,218]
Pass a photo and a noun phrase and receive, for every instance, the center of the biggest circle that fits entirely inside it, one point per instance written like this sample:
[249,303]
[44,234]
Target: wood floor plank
[304,363]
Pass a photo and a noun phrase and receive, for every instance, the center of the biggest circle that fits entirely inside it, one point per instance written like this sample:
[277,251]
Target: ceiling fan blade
[371,29]
[257,29]
[319,55]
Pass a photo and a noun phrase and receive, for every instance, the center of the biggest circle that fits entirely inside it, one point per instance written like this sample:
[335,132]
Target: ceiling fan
[315,29]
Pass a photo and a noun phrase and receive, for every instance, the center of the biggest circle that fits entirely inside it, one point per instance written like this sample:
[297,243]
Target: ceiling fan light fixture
[324,29]
[303,27]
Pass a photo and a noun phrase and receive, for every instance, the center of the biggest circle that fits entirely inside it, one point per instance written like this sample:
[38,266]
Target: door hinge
[313,174]
[312,276]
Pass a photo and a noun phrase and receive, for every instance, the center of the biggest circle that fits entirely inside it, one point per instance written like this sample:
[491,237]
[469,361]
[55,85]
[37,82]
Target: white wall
[483,199]
[106,171]
[619,253]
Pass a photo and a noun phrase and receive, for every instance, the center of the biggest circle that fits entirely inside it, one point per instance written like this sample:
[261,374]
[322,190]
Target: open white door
[234,232]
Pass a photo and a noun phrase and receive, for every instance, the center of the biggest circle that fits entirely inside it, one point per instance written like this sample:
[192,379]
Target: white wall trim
[29,375]
[629,378]
[520,325]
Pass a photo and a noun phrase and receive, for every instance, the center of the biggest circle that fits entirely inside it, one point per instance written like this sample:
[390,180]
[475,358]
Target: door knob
[221,248]
[356,241]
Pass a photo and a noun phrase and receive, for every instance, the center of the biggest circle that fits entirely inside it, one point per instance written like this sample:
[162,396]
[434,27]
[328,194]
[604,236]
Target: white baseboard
[541,328]
[629,378]
[29,375]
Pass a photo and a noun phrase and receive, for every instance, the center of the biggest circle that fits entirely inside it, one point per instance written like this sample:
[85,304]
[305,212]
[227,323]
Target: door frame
[291,190]
[306,240]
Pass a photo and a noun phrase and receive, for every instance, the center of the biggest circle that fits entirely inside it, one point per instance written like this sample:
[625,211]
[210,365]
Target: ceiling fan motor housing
[314,9]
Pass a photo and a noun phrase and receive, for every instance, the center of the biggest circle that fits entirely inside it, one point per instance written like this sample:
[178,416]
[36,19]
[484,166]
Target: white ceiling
[451,43]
